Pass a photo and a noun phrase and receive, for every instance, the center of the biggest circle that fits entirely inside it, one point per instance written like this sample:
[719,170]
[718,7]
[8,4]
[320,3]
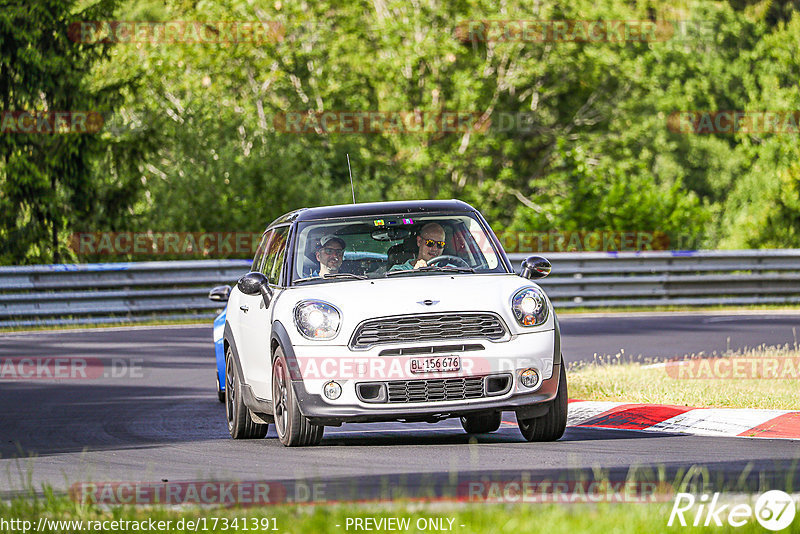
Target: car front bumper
[318,365]
[526,405]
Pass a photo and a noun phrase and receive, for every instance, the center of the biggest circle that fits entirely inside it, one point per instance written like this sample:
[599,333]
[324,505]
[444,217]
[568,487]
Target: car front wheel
[550,426]
[481,423]
[240,424]
[294,430]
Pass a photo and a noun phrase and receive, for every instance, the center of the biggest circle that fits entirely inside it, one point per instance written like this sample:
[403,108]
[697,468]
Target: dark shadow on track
[53,418]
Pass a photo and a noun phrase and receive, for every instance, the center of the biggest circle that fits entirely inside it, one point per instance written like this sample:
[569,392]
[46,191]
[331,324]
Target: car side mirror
[534,267]
[220,294]
[254,283]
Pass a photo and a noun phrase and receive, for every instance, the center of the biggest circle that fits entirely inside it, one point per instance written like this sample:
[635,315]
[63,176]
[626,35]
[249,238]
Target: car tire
[240,424]
[294,429]
[481,423]
[550,426]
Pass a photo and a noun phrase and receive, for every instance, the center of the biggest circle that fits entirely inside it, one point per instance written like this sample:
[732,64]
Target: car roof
[373,208]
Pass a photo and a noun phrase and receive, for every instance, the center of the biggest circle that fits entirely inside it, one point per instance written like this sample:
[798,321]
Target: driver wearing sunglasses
[330,255]
[431,242]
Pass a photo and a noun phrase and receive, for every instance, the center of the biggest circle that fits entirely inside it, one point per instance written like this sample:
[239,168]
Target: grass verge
[767,377]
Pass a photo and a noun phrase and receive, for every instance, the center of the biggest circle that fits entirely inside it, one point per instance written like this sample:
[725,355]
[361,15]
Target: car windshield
[393,245]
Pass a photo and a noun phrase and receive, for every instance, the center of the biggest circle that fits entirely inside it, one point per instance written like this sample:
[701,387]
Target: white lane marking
[721,319]
[717,421]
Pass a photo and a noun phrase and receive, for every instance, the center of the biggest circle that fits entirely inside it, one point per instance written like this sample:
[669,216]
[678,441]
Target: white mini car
[393,311]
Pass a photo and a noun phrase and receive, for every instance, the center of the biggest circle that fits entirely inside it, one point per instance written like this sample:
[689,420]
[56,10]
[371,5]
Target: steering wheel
[452,260]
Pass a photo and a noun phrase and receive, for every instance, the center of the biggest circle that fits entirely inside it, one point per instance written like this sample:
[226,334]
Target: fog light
[332,390]
[529,378]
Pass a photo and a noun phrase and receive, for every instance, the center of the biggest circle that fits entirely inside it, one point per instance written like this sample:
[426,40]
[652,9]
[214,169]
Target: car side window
[258,260]
[275,252]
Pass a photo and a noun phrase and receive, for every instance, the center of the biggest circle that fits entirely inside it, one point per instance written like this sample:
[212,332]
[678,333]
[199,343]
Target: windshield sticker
[382,222]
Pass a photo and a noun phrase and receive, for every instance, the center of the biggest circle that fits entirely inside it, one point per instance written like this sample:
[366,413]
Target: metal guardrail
[168,290]
[113,292]
[672,278]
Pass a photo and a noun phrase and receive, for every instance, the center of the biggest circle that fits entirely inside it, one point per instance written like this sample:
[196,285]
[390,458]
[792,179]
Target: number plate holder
[435,364]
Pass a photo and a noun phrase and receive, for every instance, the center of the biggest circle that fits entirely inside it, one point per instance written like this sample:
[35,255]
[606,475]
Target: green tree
[197,144]
[47,183]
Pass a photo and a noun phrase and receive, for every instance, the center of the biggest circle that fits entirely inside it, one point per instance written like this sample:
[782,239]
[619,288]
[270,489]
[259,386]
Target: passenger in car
[330,255]
[430,242]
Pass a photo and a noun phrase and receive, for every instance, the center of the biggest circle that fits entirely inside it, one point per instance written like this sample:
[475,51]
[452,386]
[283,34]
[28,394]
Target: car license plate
[439,364]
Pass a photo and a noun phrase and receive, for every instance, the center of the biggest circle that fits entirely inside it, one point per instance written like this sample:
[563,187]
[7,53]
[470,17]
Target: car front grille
[427,327]
[445,389]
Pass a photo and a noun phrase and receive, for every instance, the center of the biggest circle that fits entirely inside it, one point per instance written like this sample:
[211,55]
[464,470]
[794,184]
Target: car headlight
[317,320]
[529,306]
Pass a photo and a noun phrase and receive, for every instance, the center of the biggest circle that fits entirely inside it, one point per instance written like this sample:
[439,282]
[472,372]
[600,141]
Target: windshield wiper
[332,275]
[432,268]
[454,269]
[345,275]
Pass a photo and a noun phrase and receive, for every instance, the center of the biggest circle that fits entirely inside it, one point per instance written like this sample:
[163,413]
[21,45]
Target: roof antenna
[351,178]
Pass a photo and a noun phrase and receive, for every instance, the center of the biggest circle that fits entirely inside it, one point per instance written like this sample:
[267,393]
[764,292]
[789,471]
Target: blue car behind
[219,351]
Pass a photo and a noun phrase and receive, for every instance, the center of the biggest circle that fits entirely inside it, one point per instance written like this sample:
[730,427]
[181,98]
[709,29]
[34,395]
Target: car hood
[359,300]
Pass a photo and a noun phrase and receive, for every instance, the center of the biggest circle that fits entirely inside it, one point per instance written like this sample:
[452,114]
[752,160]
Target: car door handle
[244,308]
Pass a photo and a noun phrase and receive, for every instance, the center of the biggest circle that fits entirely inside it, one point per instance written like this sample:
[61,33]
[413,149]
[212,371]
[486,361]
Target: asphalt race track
[151,414]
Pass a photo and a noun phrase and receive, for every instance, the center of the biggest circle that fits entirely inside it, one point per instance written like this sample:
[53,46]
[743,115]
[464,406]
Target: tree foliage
[197,145]
[51,183]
